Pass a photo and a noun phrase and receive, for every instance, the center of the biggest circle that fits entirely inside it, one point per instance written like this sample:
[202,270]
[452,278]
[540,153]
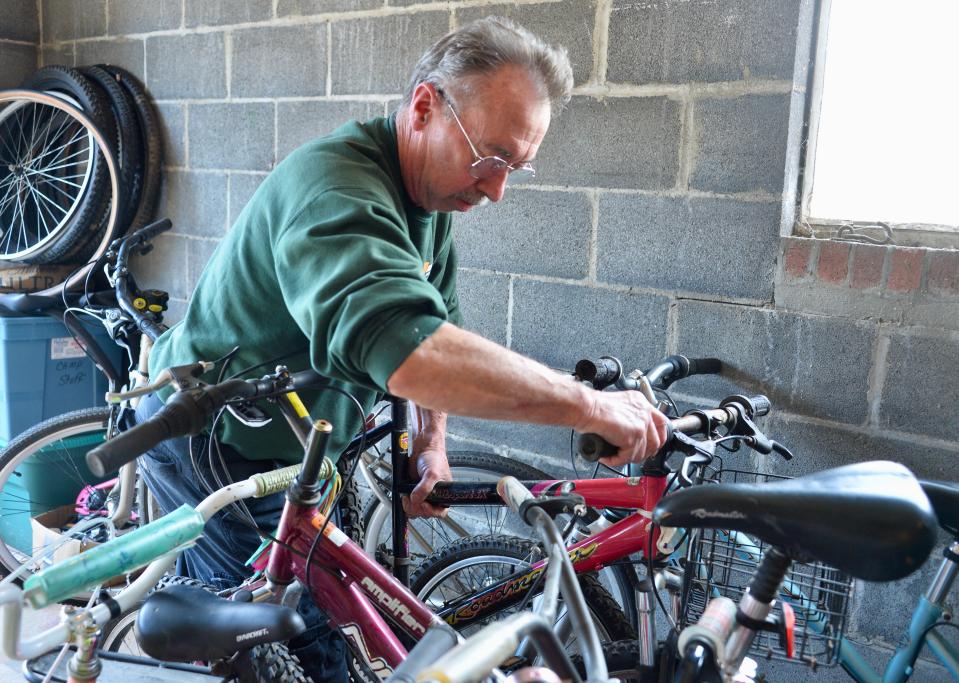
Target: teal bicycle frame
[927,613]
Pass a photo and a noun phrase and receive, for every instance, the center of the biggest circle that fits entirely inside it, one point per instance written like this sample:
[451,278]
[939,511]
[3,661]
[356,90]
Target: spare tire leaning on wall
[55,196]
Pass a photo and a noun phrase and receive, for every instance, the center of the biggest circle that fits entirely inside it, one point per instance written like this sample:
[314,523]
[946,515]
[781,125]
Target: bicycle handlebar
[678,367]
[608,371]
[592,447]
[147,326]
[186,413]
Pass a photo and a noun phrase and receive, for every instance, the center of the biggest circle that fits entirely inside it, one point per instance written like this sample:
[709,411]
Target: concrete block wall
[19,41]
[659,222]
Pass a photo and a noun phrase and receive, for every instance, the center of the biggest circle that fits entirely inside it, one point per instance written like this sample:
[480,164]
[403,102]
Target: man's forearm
[459,372]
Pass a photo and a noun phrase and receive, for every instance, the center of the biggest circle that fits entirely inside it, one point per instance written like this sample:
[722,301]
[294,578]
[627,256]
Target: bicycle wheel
[471,564]
[350,508]
[46,174]
[46,488]
[430,535]
[270,663]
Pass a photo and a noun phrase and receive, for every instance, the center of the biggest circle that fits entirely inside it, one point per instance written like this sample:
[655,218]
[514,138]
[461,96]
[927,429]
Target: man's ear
[422,104]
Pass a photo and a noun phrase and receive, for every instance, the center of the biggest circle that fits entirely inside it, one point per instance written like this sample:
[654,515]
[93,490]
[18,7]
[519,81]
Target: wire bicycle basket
[722,563]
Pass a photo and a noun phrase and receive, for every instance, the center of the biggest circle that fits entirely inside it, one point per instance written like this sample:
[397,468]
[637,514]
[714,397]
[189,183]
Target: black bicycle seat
[945,501]
[188,624]
[871,520]
[14,304]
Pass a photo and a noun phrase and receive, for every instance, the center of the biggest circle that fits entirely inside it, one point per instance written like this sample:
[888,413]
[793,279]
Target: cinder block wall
[19,41]
[659,223]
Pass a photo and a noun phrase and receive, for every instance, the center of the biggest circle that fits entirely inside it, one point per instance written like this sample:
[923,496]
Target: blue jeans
[175,478]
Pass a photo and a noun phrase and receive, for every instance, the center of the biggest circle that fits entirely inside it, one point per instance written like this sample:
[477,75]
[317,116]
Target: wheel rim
[103,146]
[479,572]
[122,637]
[46,160]
[39,490]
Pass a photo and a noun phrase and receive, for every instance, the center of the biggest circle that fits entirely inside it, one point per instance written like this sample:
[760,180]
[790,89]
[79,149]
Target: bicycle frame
[927,612]
[347,583]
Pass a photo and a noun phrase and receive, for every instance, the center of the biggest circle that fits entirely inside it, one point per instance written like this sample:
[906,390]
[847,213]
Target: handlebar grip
[600,373]
[114,453]
[150,328]
[761,405]
[592,447]
[176,418]
[150,231]
[705,366]
[513,493]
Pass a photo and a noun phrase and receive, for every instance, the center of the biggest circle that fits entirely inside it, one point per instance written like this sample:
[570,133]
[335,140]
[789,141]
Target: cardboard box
[46,534]
[32,278]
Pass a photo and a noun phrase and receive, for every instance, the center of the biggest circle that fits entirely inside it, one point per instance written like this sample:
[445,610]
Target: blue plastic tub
[43,372]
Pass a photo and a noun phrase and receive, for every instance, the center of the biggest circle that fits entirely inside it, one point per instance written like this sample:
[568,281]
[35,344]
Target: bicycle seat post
[400,455]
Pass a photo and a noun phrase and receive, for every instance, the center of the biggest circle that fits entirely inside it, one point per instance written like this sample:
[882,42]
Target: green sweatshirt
[330,265]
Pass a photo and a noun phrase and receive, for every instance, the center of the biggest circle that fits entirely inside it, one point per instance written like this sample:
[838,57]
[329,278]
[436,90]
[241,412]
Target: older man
[343,261]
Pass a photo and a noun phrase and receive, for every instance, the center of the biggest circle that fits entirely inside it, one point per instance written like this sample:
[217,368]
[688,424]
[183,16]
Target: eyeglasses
[487,167]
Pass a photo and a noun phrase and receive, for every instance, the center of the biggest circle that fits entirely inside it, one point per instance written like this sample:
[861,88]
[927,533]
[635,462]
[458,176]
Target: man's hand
[429,466]
[627,420]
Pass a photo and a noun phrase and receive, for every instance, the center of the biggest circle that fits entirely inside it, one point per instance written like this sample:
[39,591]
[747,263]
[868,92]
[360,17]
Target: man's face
[504,117]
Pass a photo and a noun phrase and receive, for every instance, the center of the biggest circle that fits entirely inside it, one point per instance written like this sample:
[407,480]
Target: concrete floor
[33,622]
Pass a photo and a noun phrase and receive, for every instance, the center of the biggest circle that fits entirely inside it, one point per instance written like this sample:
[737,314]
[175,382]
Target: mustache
[478,201]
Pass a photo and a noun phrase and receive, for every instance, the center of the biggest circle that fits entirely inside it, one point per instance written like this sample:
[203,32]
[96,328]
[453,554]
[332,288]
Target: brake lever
[783,452]
[698,453]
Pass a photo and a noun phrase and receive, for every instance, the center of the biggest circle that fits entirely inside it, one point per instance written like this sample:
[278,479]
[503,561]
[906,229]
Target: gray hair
[485,45]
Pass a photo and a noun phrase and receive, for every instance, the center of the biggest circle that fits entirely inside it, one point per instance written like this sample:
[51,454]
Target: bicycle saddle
[871,520]
[188,624]
[945,501]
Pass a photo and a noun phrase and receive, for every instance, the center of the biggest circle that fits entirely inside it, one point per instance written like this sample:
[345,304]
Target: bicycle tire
[128,154]
[463,463]
[622,657]
[76,278]
[510,554]
[269,663]
[84,226]
[64,476]
[152,152]
[350,507]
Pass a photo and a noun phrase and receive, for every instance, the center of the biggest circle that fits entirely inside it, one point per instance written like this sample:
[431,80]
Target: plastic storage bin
[44,372]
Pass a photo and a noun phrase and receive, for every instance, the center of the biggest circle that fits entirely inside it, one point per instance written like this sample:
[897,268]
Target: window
[883,131]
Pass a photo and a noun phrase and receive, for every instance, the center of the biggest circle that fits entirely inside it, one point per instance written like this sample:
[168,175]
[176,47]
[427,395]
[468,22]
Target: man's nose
[494,187]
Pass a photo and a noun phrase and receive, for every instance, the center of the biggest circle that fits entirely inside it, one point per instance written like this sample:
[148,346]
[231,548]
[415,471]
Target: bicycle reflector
[787,630]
